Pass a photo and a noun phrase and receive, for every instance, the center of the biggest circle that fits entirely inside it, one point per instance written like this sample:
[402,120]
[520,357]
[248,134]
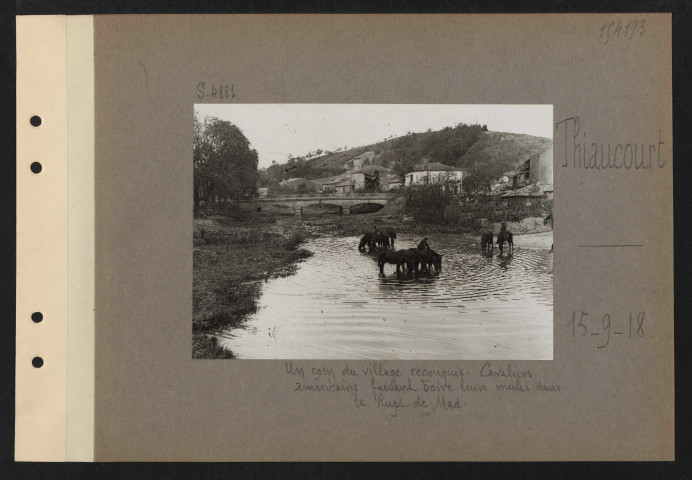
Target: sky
[277,130]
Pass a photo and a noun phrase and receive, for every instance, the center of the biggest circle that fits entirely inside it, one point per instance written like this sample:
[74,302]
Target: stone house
[435,172]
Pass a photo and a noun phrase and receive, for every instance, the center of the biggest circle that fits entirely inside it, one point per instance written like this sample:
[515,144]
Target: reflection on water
[337,306]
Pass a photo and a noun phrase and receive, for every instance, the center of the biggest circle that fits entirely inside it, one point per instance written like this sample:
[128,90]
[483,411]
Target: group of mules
[502,237]
[377,241]
[413,259]
[408,261]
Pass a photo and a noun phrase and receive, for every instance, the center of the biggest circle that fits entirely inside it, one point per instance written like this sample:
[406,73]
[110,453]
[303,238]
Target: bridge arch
[324,208]
[366,207]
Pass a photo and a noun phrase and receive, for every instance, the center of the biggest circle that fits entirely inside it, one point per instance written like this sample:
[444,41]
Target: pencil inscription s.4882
[214,91]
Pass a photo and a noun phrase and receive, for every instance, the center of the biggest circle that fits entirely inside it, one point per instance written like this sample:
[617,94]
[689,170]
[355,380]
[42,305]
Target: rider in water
[547,219]
[423,245]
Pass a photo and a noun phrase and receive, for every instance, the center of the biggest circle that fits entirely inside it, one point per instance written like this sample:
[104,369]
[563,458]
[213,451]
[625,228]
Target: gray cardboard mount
[153,402]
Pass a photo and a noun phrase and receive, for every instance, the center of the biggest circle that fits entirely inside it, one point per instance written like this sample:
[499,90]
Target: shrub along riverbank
[231,262]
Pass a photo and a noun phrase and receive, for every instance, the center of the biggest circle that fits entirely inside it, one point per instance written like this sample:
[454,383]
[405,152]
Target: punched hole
[35,120]
[37,317]
[37,362]
[36,167]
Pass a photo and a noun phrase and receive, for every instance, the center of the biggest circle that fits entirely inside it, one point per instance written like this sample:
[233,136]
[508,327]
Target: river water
[337,306]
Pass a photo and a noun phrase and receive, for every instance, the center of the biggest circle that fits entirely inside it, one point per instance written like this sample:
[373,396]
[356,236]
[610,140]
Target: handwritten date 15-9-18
[631,326]
[620,29]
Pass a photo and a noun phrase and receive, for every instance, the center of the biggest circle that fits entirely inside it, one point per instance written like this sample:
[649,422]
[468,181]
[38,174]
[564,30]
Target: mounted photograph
[372,232]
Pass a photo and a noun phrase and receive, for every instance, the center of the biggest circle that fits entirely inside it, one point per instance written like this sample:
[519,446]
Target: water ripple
[338,306]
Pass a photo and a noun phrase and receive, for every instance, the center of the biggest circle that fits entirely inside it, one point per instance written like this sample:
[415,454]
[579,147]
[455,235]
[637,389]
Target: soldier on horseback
[423,245]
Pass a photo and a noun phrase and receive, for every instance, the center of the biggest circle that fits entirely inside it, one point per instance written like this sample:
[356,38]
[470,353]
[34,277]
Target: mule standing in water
[505,236]
[399,258]
[368,240]
[392,235]
[487,241]
[429,259]
[381,241]
[547,219]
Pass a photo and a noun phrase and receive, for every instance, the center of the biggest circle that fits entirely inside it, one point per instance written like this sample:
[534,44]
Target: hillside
[464,146]
[498,152]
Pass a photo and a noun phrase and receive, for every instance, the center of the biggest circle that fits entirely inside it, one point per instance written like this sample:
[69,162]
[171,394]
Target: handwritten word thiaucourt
[582,152]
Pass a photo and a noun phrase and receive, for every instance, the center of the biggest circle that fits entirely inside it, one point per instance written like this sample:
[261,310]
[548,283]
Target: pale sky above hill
[277,130]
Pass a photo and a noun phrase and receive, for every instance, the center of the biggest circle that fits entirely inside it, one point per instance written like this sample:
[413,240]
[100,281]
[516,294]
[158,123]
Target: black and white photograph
[368,231]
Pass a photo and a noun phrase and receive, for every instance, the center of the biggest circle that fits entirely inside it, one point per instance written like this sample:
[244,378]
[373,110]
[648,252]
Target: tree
[427,202]
[477,183]
[404,164]
[224,163]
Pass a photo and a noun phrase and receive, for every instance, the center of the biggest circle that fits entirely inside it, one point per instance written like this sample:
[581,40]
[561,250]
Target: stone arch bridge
[298,201]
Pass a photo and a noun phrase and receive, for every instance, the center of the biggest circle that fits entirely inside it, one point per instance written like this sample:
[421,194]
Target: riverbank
[349,225]
[231,261]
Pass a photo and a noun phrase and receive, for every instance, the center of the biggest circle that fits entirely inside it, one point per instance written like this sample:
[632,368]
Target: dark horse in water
[487,241]
[368,240]
[547,219]
[505,236]
[392,235]
[398,258]
[428,259]
[381,241]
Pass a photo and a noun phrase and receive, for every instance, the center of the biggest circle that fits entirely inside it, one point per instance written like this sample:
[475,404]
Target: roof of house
[435,167]
[546,187]
[527,191]
[343,184]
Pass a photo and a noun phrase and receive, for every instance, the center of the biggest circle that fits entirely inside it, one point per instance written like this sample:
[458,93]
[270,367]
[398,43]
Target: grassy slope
[497,152]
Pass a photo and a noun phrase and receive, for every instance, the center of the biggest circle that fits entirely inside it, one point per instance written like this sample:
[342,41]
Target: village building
[541,168]
[329,187]
[527,196]
[343,187]
[356,163]
[536,170]
[435,172]
[548,190]
[262,191]
[502,183]
[368,176]
[389,181]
